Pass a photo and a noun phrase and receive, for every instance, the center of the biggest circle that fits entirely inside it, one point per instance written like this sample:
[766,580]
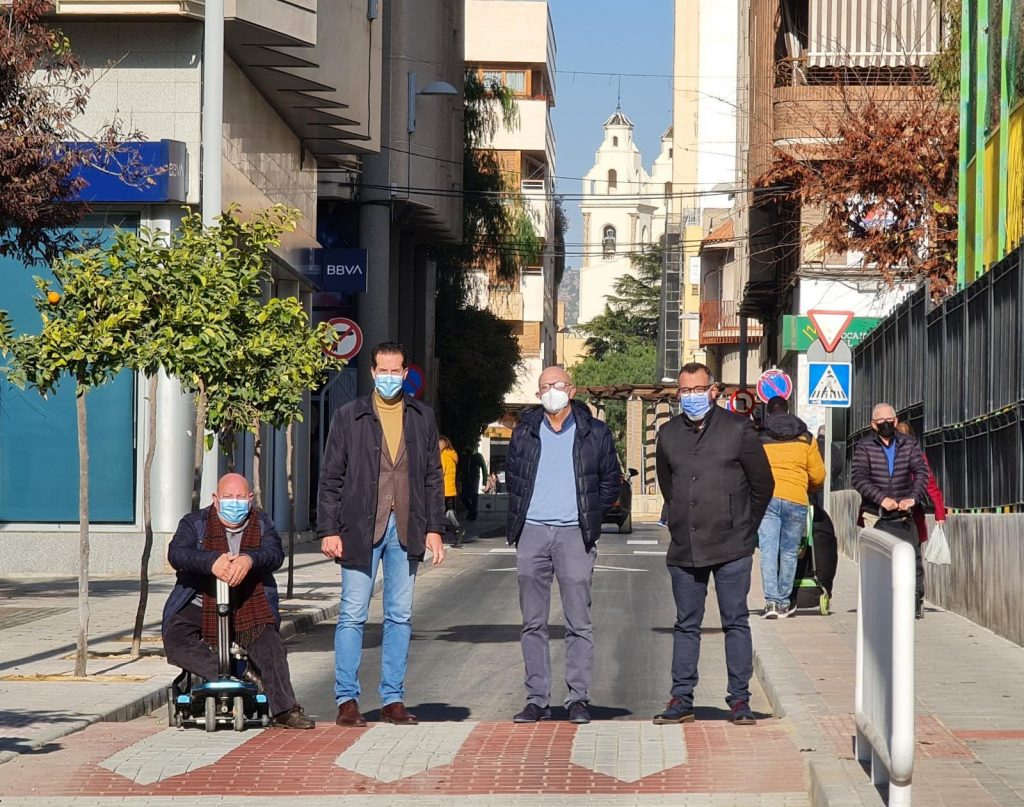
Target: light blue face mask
[695,405]
[389,386]
[233,511]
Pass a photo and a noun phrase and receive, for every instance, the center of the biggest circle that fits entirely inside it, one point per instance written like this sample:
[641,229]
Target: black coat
[717,485]
[194,565]
[869,472]
[595,464]
[347,498]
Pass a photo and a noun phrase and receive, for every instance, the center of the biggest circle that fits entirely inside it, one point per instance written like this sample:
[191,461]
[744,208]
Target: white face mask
[554,400]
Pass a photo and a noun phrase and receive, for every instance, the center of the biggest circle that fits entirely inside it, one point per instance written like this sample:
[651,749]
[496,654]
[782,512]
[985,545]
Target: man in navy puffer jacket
[562,474]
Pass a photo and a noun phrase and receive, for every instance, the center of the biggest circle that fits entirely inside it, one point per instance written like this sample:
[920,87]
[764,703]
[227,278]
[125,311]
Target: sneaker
[741,714]
[788,609]
[532,713]
[294,718]
[675,712]
[578,713]
[771,611]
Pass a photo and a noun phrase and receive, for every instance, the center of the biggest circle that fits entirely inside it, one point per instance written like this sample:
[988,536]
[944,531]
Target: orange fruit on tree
[53,297]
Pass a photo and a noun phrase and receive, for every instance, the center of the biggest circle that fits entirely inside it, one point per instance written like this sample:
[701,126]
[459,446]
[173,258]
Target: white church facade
[624,210]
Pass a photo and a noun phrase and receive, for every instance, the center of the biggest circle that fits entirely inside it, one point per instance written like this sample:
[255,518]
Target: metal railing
[884,683]
[720,323]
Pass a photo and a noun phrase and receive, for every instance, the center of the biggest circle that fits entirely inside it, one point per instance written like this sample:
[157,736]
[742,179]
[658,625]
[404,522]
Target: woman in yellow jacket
[449,467]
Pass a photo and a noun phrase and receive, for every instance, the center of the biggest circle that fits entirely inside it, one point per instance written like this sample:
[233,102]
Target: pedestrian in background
[563,474]
[474,469]
[934,493]
[381,500]
[717,484]
[797,468]
[449,469]
[890,473]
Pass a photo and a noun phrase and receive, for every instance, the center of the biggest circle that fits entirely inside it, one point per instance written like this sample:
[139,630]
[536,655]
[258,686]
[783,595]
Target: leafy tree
[632,312]
[885,178]
[635,364]
[498,240]
[43,89]
[90,331]
[945,65]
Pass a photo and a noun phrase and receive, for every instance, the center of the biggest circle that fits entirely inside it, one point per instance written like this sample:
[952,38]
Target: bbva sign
[343,271]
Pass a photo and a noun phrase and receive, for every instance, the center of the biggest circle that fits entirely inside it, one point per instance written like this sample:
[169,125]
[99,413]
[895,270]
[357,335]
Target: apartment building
[801,62]
[288,103]
[513,42]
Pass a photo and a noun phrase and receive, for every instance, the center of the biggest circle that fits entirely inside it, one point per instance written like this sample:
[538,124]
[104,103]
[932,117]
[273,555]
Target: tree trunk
[289,440]
[200,449]
[82,650]
[147,517]
[257,450]
[229,448]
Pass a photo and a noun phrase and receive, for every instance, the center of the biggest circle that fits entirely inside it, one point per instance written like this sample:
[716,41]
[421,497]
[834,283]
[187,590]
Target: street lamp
[433,88]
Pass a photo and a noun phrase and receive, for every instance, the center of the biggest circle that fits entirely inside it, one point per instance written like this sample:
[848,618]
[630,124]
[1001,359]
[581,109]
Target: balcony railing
[720,324]
[536,197]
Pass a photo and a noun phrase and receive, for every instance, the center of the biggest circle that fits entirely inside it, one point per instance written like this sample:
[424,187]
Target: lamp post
[433,88]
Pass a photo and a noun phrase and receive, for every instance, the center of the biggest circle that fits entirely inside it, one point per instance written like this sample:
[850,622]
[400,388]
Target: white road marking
[628,751]
[502,550]
[638,541]
[174,752]
[389,753]
[648,552]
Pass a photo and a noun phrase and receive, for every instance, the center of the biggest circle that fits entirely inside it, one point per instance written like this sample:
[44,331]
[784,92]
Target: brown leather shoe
[349,716]
[397,713]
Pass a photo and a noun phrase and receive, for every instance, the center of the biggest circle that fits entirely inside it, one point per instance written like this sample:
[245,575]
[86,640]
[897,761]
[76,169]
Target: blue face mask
[695,405]
[389,386]
[233,511]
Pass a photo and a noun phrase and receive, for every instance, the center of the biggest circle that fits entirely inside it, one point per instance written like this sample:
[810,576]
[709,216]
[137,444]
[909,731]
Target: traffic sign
[348,338]
[830,326]
[774,383]
[415,383]
[742,402]
[829,384]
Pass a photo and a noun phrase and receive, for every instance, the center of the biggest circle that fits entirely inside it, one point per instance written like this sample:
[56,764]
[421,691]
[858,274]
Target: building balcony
[538,204]
[506,304]
[720,324]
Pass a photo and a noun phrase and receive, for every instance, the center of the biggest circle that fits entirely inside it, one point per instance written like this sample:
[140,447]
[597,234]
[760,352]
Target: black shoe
[294,718]
[919,610]
[532,713]
[741,714]
[578,713]
[675,712]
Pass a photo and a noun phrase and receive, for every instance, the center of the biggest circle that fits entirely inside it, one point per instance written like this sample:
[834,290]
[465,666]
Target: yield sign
[830,326]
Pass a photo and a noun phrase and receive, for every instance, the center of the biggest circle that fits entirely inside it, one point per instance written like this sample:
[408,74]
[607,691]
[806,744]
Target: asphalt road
[465,662]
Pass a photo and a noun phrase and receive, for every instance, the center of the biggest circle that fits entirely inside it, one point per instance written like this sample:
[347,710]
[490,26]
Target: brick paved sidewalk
[970,689]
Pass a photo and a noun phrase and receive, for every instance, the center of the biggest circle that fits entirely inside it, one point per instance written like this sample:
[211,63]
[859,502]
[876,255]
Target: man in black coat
[717,484]
[890,473]
[381,501]
[562,474]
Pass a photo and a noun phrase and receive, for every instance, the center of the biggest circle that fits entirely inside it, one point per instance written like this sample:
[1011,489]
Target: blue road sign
[829,384]
[774,383]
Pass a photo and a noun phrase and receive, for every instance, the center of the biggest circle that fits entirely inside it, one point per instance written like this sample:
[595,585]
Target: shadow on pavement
[669,631]
[716,713]
[430,713]
[484,634]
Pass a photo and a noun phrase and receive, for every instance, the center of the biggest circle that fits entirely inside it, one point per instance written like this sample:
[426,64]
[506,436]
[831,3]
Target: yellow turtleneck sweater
[390,414]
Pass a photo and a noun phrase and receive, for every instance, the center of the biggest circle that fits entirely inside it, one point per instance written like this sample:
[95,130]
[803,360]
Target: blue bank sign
[343,271]
[138,172]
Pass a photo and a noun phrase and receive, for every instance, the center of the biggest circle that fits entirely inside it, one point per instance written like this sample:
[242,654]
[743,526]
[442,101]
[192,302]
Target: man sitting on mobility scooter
[229,542]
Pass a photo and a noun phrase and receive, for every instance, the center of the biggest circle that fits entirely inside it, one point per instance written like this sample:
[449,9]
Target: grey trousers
[543,553]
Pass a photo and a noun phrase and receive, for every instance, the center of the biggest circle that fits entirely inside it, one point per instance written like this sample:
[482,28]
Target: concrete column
[662,415]
[172,464]
[599,411]
[635,442]
[650,442]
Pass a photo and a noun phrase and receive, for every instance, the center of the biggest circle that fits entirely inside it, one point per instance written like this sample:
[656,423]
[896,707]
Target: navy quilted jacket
[595,464]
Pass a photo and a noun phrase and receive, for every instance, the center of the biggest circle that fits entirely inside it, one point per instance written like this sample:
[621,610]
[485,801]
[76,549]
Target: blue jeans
[779,536]
[356,588]
[690,590]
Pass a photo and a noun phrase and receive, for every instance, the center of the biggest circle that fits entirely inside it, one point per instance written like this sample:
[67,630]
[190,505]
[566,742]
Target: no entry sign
[742,401]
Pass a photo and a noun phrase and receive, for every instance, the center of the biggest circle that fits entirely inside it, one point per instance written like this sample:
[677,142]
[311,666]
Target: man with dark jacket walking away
[797,468]
[562,474]
[717,483]
[381,500]
[890,473]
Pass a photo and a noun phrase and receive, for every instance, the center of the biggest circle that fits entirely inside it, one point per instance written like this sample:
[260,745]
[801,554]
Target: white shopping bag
[936,550]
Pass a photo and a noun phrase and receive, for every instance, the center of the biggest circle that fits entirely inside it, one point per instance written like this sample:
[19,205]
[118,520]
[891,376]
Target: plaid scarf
[250,611]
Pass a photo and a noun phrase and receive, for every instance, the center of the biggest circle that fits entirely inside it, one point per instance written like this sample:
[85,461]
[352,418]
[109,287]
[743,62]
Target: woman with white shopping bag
[938,552]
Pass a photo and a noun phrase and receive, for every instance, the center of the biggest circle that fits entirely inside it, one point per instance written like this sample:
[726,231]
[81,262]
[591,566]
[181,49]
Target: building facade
[624,210]
[512,42]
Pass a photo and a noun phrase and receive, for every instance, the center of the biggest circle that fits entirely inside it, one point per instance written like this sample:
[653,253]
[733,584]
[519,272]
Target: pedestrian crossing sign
[829,384]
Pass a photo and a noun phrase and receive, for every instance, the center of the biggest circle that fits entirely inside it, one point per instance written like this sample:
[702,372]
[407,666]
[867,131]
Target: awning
[873,33]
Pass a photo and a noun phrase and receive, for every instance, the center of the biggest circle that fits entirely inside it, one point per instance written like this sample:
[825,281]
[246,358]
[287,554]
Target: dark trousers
[185,648]
[906,530]
[470,500]
[690,589]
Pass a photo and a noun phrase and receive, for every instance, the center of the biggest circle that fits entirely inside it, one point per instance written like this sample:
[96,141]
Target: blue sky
[607,36]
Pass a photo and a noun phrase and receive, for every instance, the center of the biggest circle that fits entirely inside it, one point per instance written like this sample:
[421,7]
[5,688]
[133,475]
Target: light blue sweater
[554,493]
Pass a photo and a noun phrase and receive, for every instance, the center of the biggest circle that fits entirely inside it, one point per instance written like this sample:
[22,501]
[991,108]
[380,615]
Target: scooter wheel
[179,721]
[238,713]
[265,721]
[172,707]
[211,714]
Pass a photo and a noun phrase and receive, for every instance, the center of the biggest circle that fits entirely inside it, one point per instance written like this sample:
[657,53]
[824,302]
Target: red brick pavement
[934,740]
[496,758]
